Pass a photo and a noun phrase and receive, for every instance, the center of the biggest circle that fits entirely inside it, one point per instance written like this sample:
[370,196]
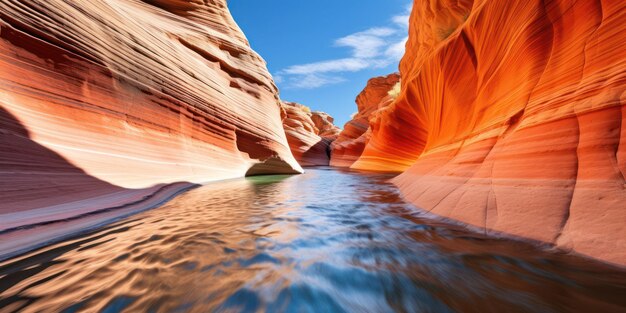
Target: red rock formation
[309,134]
[511,118]
[325,125]
[355,135]
[105,102]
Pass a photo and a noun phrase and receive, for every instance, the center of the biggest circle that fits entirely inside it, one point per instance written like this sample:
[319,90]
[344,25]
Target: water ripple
[326,241]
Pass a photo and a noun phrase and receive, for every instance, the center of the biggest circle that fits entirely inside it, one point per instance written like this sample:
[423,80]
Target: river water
[325,241]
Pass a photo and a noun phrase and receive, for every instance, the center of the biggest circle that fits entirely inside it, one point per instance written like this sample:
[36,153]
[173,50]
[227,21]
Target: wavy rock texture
[309,134]
[108,102]
[356,132]
[325,125]
[511,118]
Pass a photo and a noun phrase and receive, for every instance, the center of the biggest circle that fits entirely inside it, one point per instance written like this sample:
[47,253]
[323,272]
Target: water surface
[326,241]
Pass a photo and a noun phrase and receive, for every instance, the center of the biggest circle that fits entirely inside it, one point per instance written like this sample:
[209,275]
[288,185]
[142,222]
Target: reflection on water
[326,241]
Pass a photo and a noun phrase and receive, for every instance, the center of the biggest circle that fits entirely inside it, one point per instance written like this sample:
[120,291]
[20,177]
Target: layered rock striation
[122,102]
[309,134]
[356,133]
[512,118]
[325,125]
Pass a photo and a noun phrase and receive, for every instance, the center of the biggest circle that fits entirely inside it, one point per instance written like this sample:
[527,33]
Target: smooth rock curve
[105,102]
[356,133]
[512,118]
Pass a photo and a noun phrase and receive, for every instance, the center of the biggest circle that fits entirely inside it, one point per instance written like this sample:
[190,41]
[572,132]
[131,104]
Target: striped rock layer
[356,133]
[512,118]
[106,103]
[309,134]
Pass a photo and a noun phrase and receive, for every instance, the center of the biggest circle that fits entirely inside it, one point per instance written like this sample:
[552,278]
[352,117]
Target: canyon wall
[511,118]
[356,133]
[309,134]
[106,103]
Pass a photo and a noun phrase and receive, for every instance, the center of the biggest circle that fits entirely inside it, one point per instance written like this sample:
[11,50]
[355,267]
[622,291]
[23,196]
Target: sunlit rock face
[356,132]
[105,97]
[325,125]
[309,134]
[511,118]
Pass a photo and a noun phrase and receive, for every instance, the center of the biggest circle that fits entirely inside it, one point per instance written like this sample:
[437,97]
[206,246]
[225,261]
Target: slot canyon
[149,157]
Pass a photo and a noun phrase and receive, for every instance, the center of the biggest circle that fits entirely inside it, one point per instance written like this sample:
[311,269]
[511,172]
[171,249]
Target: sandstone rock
[511,118]
[309,134]
[325,125]
[355,135]
[105,101]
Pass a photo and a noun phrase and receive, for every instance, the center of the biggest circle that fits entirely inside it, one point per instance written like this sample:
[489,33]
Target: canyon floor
[329,240]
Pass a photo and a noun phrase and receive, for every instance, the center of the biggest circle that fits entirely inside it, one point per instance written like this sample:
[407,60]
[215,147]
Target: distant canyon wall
[356,133]
[309,134]
[511,118]
[105,103]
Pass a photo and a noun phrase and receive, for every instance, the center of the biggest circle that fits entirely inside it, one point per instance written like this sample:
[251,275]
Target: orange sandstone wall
[356,132]
[511,118]
[325,125]
[309,134]
[107,101]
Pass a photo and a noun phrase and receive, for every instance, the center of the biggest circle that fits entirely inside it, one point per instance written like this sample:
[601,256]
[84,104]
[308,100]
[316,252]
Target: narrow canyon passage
[326,241]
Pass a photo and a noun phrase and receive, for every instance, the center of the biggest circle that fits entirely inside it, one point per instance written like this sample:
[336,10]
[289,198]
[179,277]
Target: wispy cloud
[339,65]
[312,81]
[402,20]
[377,47]
[366,44]
[396,50]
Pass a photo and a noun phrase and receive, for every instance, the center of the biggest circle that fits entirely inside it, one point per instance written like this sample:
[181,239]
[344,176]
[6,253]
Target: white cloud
[366,44]
[312,81]
[335,66]
[340,65]
[377,47]
[396,50]
[402,20]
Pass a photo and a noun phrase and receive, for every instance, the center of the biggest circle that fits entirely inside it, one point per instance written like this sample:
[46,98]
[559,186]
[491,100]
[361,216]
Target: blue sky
[321,53]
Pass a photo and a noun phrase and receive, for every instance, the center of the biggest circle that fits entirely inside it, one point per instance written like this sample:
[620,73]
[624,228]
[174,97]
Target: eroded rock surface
[511,118]
[356,133]
[105,102]
[309,134]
